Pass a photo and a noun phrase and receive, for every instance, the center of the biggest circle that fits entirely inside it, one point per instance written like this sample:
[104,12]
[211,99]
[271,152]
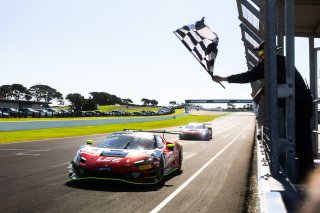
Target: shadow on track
[118,186]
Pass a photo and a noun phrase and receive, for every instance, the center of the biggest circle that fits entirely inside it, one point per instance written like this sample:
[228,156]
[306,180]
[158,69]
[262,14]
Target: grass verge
[39,134]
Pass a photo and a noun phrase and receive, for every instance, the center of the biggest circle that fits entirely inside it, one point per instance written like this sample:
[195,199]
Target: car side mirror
[89,142]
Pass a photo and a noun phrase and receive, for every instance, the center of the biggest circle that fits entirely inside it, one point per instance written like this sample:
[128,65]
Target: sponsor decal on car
[108,159]
[144,167]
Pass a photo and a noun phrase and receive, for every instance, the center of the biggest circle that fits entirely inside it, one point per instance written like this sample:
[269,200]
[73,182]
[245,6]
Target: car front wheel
[160,173]
[180,161]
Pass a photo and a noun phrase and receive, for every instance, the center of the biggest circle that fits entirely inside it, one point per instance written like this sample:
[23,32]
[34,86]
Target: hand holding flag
[218,79]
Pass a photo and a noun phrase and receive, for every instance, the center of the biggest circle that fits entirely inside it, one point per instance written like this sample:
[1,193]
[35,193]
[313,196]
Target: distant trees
[153,102]
[80,103]
[147,102]
[103,98]
[18,91]
[247,106]
[5,92]
[231,106]
[14,91]
[173,103]
[37,92]
[89,104]
[76,100]
[115,100]
[127,101]
[45,93]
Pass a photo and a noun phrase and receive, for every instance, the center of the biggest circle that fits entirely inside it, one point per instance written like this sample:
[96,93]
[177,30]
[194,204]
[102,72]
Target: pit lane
[36,181]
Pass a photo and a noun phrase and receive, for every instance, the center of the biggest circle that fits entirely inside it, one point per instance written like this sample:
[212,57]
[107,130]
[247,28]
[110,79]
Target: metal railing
[276,141]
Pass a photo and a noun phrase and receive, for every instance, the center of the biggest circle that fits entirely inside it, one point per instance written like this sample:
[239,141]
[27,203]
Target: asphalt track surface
[33,176]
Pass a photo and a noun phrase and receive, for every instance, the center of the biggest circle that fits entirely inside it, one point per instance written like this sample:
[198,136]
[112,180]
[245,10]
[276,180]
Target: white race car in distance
[196,131]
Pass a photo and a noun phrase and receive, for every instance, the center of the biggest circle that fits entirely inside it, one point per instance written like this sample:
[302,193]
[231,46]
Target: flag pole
[218,82]
[222,85]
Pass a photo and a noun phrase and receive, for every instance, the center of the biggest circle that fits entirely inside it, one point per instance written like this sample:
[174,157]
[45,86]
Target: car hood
[106,152]
[92,157]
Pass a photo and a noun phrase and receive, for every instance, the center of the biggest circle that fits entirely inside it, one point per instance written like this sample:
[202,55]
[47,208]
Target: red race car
[129,156]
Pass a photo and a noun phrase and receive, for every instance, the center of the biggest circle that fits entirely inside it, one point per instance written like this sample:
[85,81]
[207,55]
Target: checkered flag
[201,42]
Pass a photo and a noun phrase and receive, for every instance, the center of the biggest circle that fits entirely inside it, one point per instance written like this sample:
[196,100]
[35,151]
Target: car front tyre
[180,161]
[160,173]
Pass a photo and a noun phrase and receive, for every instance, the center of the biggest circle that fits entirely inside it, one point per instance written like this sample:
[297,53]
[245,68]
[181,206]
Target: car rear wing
[154,131]
[209,125]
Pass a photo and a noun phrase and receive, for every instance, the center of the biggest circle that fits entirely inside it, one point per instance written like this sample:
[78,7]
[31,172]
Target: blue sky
[122,47]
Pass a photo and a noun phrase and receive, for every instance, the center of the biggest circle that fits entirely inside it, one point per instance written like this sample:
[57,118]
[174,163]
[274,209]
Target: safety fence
[74,114]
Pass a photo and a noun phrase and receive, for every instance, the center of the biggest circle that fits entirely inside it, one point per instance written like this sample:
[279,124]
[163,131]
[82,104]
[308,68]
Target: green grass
[111,107]
[128,109]
[139,109]
[39,134]
[106,108]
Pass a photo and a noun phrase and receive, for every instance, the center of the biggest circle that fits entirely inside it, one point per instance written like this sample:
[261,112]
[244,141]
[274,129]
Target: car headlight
[143,162]
[78,158]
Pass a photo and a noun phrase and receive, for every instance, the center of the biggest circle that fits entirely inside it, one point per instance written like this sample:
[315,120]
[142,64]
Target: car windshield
[128,141]
[195,126]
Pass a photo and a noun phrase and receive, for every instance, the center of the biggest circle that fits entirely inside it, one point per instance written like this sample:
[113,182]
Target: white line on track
[29,150]
[178,190]
[28,154]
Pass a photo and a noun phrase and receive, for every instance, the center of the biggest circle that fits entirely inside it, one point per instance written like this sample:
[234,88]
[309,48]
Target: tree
[182,105]
[115,100]
[127,101]
[5,91]
[173,103]
[231,105]
[18,91]
[102,98]
[153,102]
[28,96]
[76,100]
[14,91]
[44,92]
[89,104]
[145,101]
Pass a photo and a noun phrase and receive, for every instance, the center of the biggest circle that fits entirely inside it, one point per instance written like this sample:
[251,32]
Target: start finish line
[218,101]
